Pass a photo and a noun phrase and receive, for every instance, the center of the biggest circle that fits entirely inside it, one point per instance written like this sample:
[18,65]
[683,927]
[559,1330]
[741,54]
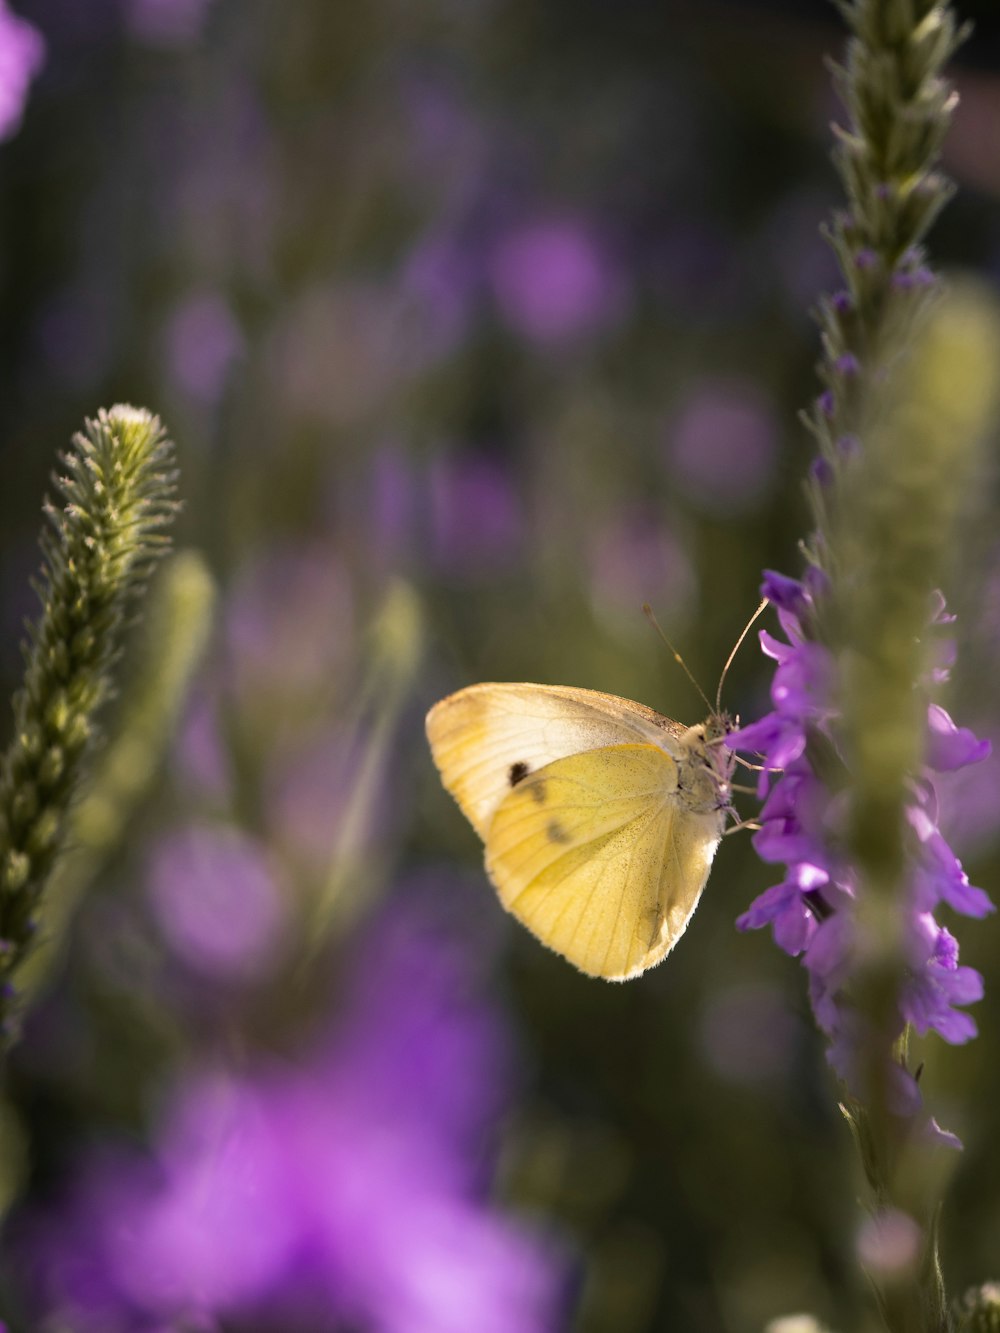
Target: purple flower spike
[810,911]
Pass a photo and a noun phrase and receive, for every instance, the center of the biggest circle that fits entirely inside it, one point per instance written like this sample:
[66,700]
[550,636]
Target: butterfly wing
[487,739]
[597,857]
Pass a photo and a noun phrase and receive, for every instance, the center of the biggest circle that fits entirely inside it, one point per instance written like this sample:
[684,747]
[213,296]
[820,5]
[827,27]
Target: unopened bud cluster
[101,542]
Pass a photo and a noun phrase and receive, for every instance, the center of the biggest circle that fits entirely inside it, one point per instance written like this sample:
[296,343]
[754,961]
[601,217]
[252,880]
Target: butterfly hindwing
[595,856]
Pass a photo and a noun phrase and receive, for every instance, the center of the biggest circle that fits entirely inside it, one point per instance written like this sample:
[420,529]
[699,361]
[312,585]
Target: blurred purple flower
[200,753]
[461,512]
[308,789]
[22,54]
[722,447]
[289,623]
[166,22]
[811,911]
[968,801]
[217,903]
[390,505]
[202,341]
[439,282]
[889,1242]
[475,515]
[552,281]
[345,1191]
[635,560]
[447,149]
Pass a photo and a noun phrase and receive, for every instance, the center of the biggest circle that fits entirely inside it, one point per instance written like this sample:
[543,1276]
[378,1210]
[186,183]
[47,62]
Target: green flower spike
[118,497]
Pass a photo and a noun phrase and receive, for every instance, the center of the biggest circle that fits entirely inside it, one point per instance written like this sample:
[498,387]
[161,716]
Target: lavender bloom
[22,54]
[810,911]
[345,1191]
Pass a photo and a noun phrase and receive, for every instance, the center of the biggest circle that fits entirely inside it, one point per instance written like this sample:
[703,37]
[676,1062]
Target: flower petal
[950,747]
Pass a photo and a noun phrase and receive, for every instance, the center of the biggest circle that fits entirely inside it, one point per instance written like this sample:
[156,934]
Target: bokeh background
[477,323]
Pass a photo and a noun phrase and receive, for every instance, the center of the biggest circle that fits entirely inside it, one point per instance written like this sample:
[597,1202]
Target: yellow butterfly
[600,817]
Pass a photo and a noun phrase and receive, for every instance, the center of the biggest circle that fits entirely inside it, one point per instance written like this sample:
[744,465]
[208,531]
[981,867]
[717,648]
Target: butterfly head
[710,763]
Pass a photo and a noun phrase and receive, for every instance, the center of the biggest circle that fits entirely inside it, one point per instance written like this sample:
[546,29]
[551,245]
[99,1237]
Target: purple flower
[475,516]
[552,281]
[344,1189]
[462,512]
[786,910]
[277,645]
[307,794]
[217,903]
[968,800]
[723,447]
[440,280]
[22,54]
[166,22]
[202,341]
[936,983]
[633,554]
[951,747]
[811,912]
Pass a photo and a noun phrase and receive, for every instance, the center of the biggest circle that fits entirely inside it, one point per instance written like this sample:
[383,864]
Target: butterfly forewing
[487,738]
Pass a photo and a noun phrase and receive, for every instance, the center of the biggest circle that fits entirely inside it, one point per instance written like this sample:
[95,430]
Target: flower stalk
[99,549]
[908,399]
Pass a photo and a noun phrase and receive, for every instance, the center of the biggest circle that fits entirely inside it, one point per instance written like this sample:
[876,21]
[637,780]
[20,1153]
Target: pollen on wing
[517,772]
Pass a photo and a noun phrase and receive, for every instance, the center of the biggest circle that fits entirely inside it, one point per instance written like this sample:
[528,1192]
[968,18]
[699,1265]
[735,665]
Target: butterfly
[599,817]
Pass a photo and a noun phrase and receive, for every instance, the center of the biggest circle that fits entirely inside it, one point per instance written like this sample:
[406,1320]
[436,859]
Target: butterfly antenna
[736,648]
[647,611]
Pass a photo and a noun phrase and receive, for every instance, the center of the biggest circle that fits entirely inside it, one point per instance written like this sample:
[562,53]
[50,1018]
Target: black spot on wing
[517,772]
[556,833]
[538,791]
